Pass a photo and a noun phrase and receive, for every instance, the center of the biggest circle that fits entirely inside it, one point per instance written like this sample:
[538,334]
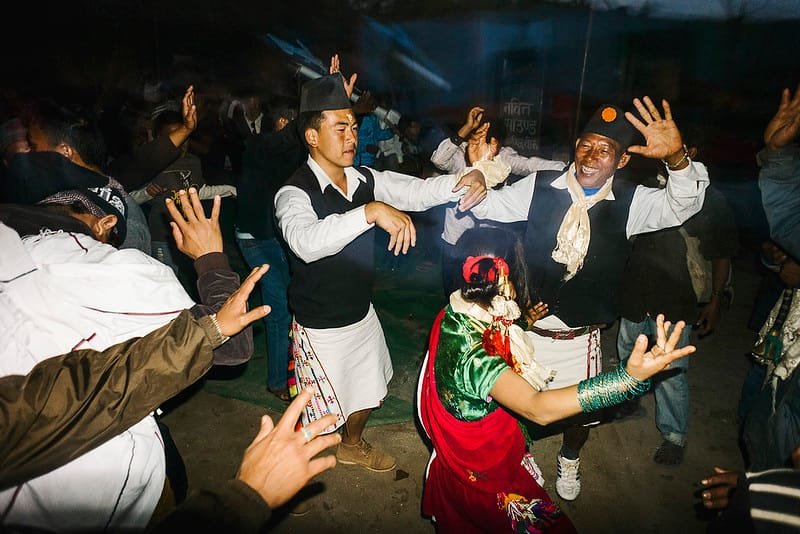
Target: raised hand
[233,316]
[475,184]
[402,234]
[189,109]
[348,84]
[189,112]
[195,234]
[280,462]
[477,147]
[785,125]
[642,365]
[474,118]
[661,134]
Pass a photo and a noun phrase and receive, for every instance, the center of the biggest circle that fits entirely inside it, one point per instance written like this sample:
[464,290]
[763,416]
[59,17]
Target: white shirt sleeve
[510,203]
[449,157]
[409,193]
[310,237]
[655,209]
[523,166]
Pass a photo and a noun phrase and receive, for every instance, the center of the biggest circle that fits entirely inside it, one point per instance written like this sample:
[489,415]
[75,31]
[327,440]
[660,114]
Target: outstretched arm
[200,238]
[545,407]
[67,405]
[779,179]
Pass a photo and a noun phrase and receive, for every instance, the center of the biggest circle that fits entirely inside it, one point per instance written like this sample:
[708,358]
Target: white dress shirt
[312,238]
[651,208]
[450,158]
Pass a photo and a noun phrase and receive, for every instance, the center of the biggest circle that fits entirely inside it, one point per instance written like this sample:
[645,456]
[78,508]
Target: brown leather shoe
[363,454]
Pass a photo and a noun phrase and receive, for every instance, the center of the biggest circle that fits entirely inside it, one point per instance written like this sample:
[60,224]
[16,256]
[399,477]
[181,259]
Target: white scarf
[522,350]
[575,232]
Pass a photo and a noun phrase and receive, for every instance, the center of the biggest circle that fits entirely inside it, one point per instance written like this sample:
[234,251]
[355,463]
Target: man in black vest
[327,213]
[576,243]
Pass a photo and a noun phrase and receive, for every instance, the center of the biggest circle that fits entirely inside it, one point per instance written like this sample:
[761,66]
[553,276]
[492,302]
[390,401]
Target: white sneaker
[568,481]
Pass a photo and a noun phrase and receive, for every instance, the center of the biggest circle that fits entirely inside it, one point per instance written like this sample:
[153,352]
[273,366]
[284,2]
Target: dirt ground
[623,489]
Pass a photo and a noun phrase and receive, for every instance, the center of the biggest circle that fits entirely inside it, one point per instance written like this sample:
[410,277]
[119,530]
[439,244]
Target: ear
[103,227]
[312,137]
[66,151]
[623,160]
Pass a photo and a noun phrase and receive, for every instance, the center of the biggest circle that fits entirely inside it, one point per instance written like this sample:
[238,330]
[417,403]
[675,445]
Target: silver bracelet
[222,336]
[680,161]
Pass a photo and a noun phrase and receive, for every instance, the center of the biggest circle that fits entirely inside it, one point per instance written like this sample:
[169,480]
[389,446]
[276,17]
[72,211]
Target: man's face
[596,159]
[252,107]
[337,137]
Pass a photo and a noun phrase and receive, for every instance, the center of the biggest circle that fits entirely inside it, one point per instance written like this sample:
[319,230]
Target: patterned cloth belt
[569,333]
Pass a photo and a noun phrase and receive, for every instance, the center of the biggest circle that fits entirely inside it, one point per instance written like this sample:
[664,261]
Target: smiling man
[577,241]
[327,213]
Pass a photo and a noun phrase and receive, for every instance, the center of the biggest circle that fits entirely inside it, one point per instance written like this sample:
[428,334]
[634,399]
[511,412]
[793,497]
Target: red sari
[476,481]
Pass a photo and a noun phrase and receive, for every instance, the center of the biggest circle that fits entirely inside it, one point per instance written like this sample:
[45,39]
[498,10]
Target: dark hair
[497,243]
[72,127]
[76,208]
[309,119]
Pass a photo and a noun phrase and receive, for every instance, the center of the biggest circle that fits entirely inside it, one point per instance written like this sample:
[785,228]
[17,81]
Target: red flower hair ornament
[472,268]
[504,310]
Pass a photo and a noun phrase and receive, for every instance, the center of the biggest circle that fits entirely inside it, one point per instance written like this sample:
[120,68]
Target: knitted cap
[99,201]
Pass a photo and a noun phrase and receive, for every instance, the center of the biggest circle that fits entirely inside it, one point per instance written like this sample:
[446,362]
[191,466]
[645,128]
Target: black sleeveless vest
[591,296]
[333,291]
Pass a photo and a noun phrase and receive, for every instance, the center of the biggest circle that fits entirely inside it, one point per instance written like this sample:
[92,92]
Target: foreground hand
[348,84]
[278,463]
[233,316]
[195,234]
[661,135]
[475,185]
[399,226]
[642,365]
[719,488]
[785,125]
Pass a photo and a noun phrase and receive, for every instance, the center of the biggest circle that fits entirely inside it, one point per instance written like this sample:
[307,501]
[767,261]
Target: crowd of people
[538,257]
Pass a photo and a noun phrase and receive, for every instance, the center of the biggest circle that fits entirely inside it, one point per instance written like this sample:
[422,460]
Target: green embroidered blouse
[464,372]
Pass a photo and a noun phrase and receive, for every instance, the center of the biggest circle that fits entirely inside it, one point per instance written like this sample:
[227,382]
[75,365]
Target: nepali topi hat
[609,121]
[324,93]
